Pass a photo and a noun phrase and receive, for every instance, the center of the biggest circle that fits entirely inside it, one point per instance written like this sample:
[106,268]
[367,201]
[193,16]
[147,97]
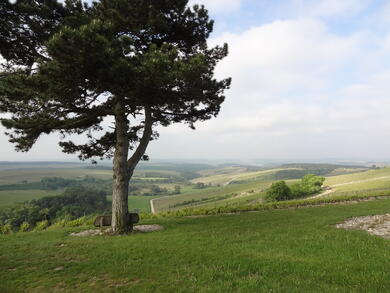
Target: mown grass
[9,197]
[296,250]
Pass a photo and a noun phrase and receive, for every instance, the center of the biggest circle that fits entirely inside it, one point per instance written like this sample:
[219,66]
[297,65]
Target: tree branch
[143,143]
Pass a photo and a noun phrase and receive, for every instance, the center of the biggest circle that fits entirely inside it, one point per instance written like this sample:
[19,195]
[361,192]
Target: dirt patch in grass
[378,225]
[92,232]
[148,228]
[99,232]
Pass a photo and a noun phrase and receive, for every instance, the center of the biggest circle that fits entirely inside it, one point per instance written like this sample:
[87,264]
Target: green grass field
[380,184]
[353,177]
[33,175]
[236,174]
[141,203]
[9,197]
[212,194]
[36,174]
[344,171]
[293,250]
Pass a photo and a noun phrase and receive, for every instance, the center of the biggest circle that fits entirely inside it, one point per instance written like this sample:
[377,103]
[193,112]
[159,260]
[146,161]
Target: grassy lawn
[9,197]
[295,250]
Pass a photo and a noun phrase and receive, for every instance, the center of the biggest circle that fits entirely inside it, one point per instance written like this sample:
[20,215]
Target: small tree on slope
[141,62]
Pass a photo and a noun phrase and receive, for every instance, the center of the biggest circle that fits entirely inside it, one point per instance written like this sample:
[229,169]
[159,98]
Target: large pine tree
[143,63]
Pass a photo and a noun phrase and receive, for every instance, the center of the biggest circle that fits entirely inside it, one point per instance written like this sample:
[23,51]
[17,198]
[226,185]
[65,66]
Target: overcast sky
[311,79]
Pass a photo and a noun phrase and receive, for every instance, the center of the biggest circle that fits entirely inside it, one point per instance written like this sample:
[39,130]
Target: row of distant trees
[75,202]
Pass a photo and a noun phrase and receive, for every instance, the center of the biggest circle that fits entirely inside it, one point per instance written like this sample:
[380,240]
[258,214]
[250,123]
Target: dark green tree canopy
[135,63]
[143,60]
[278,191]
[27,25]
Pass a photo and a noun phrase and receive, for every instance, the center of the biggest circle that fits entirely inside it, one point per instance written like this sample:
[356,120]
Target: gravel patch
[378,225]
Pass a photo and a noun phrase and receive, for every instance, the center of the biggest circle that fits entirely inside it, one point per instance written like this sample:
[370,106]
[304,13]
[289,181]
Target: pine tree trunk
[124,168]
[120,220]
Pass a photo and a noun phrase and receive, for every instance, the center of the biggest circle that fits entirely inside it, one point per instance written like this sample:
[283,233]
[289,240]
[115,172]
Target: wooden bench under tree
[105,220]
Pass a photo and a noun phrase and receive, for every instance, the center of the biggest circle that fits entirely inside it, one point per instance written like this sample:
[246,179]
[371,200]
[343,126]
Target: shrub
[41,225]
[6,229]
[76,223]
[296,190]
[278,191]
[60,223]
[311,183]
[199,185]
[24,227]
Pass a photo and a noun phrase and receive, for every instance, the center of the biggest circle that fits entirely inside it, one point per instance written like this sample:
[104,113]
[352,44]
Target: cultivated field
[32,175]
[9,197]
[351,180]
[233,174]
[18,173]
[224,186]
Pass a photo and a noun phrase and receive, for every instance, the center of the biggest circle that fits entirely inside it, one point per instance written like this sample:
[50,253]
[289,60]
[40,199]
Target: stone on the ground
[378,225]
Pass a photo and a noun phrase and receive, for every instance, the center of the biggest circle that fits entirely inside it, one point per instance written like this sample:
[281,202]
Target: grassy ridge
[370,174]
[375,184]
[295,250]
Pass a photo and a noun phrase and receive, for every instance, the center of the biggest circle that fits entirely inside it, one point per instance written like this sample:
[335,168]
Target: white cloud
[298,91]
[282,58]
[326,8]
